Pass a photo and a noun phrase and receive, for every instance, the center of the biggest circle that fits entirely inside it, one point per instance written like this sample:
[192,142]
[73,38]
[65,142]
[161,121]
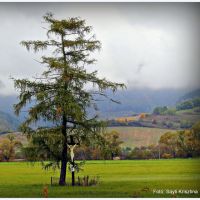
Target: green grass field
[117,179]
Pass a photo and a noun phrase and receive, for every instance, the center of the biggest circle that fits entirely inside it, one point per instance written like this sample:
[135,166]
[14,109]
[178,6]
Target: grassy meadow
[136,178]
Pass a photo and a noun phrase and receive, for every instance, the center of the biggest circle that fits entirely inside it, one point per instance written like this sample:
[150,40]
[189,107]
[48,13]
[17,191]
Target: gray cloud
[1,84]
[140,67]
[144,44]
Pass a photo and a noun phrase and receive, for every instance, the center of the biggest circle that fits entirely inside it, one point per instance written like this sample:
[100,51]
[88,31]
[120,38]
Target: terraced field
[139,136]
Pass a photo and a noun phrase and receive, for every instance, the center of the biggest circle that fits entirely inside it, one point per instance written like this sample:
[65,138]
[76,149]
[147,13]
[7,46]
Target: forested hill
[190,95]
[8,122]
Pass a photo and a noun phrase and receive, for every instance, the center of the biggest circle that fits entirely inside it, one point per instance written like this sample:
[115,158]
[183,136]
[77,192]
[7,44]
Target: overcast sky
[152,45]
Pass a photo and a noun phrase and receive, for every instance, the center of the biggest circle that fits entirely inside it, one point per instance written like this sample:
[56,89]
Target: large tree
[60,93]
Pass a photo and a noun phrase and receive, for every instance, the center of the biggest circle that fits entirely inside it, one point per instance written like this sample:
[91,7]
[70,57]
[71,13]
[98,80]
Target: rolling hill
[138,136]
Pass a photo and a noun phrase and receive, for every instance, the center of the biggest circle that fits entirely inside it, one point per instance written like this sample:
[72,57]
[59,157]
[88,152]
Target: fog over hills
[190,95]
[132,101]
[139,100]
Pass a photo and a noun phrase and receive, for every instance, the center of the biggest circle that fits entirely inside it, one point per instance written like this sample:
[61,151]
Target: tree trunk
[62,180]
[73,176]
[112,156]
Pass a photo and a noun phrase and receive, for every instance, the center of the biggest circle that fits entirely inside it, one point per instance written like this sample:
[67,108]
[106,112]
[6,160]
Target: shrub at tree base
[87,181]
[80,181]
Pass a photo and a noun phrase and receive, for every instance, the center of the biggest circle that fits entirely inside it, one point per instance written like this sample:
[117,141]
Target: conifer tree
[60,93]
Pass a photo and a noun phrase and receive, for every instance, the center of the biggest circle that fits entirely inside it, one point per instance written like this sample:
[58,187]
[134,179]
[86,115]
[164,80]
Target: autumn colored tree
[185,143]
[189,141]
[169,142]
[8,146]
[196,135]
[111,146]
[59,95]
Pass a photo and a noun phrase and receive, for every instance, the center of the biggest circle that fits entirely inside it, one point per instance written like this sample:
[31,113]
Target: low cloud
[1,84]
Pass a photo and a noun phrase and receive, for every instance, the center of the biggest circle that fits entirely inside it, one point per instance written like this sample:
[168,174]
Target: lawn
[137,178]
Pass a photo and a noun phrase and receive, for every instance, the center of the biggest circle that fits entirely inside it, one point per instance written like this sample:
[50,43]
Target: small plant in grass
[45,191]
[145,189]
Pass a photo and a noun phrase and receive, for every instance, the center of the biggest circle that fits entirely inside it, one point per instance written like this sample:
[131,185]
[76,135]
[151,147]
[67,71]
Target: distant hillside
[190,95]
[133,100]
[138,101]
[8,122]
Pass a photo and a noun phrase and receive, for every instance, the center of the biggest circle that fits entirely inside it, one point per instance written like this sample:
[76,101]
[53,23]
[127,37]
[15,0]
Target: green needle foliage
[59,93]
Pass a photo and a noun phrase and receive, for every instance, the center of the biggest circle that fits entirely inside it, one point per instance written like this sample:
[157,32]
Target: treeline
[107,147]
[179,144]
[185,105]
[164,110]
[176,144]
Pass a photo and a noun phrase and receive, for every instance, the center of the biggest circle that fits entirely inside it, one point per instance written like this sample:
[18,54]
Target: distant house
[116,158]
